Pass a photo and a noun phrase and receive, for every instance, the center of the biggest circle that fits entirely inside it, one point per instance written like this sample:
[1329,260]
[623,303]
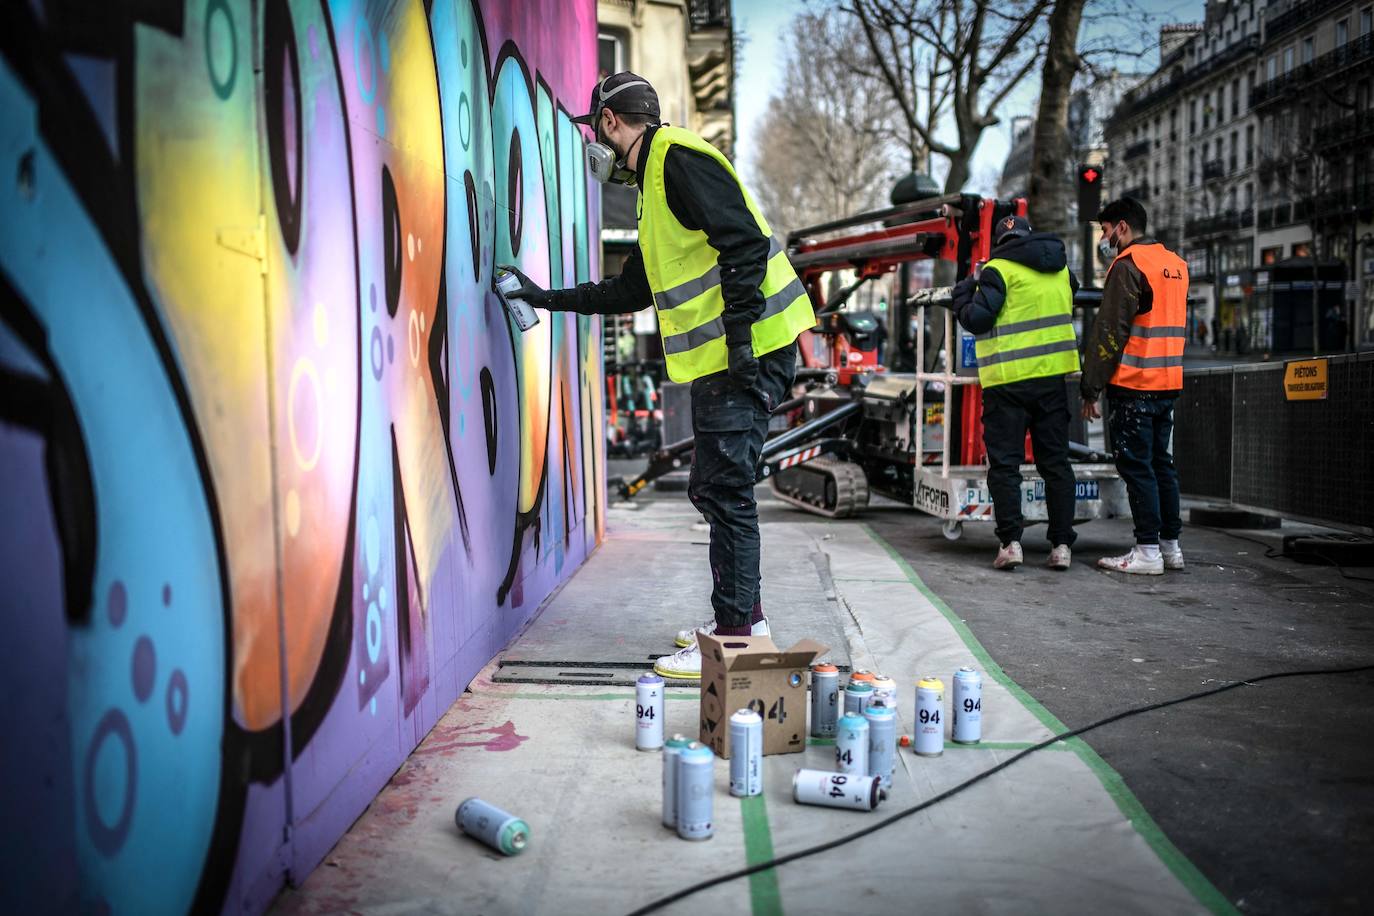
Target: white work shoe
[1172,560]
[687,638]
[1135,562]
[684,664]
[1060,557]
[1008,557]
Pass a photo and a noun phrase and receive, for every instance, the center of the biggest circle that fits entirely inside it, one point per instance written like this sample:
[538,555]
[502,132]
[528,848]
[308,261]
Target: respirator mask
[608,168]
[1106,249]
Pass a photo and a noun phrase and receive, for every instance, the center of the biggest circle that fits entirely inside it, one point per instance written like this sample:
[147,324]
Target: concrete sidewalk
[1058,832]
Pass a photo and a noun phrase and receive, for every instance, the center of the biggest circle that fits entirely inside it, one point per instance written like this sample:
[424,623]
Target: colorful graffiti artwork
[278,474]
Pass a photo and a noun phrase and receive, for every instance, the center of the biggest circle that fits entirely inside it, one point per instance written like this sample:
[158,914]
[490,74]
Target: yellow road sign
[1305,380]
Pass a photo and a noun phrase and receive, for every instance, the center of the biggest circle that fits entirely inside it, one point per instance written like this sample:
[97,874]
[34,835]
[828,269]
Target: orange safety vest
[1153,357]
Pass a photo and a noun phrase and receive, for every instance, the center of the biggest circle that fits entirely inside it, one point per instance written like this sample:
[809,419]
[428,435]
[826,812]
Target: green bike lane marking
[764,897]
[1130,807]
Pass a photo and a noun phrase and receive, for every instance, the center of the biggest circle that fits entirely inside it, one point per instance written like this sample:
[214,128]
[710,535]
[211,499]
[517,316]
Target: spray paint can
[863,674]
[499,829]
[851,744]
[746,753]
[930,726]
[649,712]
[837,790]
[671,748]
[882,742]
[968,707]
[825,700]
[857,696]
[695,791]
[507,282]
[885,689]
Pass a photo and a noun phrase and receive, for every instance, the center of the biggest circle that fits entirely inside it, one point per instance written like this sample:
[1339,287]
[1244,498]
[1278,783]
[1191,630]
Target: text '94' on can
[695,792]
[649,712]
[671,748]
[968,707]
[499,829]
[930,725]
[825,700]
[746,753]
[837,790]
[851,744]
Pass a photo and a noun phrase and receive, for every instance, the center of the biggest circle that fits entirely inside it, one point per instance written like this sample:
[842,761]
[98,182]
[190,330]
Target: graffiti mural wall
[277,475]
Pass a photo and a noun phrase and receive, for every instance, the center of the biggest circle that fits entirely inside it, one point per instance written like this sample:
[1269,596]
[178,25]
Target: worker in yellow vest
[729,310]
[1135,352]
[1020,308]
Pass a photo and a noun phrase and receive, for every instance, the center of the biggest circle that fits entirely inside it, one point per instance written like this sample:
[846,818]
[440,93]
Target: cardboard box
[739,672]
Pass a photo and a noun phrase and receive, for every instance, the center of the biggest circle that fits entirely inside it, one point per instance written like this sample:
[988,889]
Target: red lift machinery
[860,427]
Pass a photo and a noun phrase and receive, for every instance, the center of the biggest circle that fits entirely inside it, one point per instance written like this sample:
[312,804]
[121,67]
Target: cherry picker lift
[859,428]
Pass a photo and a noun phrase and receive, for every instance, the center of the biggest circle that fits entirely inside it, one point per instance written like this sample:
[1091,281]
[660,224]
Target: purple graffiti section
[279,474]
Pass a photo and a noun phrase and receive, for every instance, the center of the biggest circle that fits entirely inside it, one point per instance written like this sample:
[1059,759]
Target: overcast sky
[764,22]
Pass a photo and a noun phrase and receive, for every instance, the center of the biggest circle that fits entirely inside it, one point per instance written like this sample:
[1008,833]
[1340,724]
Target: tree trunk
[1049,182]
[958,170]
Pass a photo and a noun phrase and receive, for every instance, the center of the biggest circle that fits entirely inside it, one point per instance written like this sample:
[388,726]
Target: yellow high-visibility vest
[685,277]
[1034,335]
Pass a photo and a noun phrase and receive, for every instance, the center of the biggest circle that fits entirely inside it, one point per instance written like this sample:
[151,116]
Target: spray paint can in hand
[882,742]
[825,700]
[857,696]
[837,790]
[507,282]
[671,748]
[885,689]
[695,792]
[649,712]
[499,829]
[746,753]
[968,707]
[930,725]
[851,744]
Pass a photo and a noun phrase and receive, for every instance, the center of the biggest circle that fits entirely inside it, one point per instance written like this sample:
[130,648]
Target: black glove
[530,291]
[744,367]
[963,291]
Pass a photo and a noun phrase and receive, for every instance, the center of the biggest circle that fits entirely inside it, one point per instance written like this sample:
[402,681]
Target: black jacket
[703,196]
[1125,295]
[978,302]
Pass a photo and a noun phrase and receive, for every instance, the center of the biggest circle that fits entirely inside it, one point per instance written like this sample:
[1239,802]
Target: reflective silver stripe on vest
[1159,330]
[1006,356]
[773,305]
[1030,324]
[685,292]
[1150,362]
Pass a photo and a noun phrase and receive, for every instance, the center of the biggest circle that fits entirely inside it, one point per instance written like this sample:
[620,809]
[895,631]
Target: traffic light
[1089,192]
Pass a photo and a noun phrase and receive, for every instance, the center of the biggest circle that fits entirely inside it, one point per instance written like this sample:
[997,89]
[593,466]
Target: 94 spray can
[671,748]
[930,726]
[499,829]
[837,790]
[695,792]
[649,712]
[856,696]
[746,753]
[968,707]
[825,700]
[882,742]
[885,689]
[851,744]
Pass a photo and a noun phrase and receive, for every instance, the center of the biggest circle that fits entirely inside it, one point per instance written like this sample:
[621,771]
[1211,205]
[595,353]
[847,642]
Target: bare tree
[1051,150]
[823,150]
[948,61]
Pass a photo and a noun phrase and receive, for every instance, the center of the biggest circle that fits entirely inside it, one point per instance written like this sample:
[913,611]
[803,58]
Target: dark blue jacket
[978,302]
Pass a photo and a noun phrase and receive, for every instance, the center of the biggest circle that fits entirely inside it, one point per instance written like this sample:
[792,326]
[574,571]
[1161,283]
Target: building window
[1249,196]
[1271,256]
[1308,50]
[1272,70]
[1366,20]
[611,51]
[1192,117]
[1288,60]
[1342,32]
[1249,145]
[1235,146]
[1192,168]
[1235,97]
[1207,111]
[1302,249]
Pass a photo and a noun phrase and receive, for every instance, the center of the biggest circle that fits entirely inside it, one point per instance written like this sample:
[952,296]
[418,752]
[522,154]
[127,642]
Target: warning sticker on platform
[1305,380]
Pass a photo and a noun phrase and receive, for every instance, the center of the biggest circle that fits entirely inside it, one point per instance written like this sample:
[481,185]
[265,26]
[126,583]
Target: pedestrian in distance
[730,309]
[1020,307]
[1134,352]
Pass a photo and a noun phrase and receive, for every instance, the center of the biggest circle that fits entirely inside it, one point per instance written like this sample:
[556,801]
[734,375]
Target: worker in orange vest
[1134,351]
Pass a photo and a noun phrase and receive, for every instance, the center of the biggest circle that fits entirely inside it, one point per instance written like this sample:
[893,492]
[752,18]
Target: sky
[764,22]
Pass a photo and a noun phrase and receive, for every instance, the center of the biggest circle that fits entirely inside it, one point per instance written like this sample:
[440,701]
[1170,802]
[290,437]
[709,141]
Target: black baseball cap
[623,93]
[1010,227]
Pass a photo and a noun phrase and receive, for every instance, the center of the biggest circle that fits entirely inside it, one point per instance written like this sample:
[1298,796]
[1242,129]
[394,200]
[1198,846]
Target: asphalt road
[1267,789]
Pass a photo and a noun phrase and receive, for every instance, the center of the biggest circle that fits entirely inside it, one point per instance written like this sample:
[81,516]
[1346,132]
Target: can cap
[931,682]
[649,677]
[825,669]
[515,836]
[904,741]
[746,717]
[861,675]
[859,686]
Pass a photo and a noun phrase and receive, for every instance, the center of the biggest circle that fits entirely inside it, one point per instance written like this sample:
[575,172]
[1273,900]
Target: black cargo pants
[1042,406]
[730,424]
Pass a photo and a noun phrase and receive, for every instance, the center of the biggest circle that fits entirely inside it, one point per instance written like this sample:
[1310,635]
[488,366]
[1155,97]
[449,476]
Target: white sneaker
[1060,557]
[1172,560]
[1008,557]
[1134,562]
[687,638]
[684,664]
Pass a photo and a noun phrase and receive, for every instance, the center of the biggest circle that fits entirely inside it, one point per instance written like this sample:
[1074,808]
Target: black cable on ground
[951,792]
[1271,554]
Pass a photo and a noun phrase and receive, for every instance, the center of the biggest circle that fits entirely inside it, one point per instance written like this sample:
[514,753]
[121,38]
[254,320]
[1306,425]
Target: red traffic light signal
[1089,174]
[1089,192]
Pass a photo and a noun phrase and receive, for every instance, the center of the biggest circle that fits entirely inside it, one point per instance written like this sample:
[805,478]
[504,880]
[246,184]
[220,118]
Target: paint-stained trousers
[730,424]
[1141,429]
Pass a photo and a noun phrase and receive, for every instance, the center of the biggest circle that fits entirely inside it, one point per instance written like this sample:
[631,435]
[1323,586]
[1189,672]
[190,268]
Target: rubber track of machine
[804,486]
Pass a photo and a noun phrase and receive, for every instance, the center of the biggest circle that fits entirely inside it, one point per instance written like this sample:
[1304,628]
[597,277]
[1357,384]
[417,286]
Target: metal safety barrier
[1237,438]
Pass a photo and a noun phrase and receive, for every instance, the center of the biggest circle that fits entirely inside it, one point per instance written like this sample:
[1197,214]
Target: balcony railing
[1297,15]
[709,14]
[1238,50]
[1227,221]
[1342,131]
[1213,170]
[1135,150]
[1357,51]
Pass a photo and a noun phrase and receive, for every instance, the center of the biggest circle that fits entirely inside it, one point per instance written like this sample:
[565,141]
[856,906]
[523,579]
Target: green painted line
[764,897]
[817,742]
[1130,807]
